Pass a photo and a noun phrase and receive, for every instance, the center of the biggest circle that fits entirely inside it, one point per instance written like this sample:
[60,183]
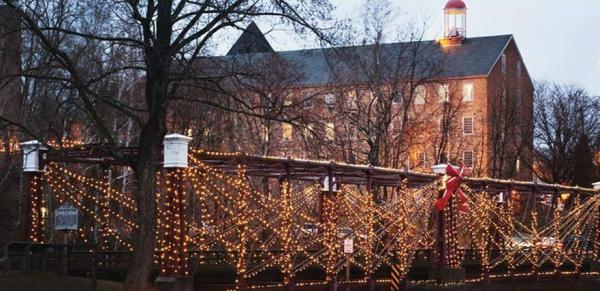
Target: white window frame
[468,96]
[352,99]
[519,69]
[285,129]
[308,131]
[503,63]
[266,134]
[465,159]
[519,97]
[308,103]
[330,131]
[472,125]
[330,99]
[420,94]
[422,158]
[443,89]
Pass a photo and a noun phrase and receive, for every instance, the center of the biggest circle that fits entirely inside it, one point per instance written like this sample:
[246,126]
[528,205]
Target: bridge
[242,221]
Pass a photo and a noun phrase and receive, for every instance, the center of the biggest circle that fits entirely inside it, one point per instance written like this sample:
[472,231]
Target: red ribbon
[452,181]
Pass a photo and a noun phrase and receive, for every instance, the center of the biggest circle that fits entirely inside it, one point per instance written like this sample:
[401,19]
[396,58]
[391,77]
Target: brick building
[408,104]
[467,100]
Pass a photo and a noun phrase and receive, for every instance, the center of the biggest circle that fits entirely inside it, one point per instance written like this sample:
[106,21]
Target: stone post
[174,272]
[32,220]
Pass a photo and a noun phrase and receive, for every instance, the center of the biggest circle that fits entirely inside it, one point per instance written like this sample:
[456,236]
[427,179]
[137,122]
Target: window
[443,92]
[206,132]
[442,125]
[518,164]
[420,94]
[519,97]
[422,158]
[266,134]
[468,92]
[519,69]
[468,125]
[503,63]
[308,131]
[287,131]
[308,103]
[353,133]
[352,100]
[368,94]
[330,131]
[330,99]
[468,159]
[397,98]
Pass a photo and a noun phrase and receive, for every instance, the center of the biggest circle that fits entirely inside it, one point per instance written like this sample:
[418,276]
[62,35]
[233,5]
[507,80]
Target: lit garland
[62,190]
[260,230]
[329,217]
[36,204]
[173,258]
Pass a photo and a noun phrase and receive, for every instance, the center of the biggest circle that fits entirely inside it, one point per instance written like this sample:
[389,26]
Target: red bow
[452,181]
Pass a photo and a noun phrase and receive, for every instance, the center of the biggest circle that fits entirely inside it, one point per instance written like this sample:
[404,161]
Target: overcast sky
[559,39]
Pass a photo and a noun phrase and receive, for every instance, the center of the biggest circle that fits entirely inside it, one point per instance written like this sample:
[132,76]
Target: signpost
[348,250]
[66,217]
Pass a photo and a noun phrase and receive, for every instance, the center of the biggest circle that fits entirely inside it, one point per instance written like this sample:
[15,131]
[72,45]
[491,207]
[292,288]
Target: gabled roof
[475,57]
[252,40]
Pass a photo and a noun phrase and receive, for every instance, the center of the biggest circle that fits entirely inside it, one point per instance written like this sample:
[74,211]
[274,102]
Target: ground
[49,282]
[584,284]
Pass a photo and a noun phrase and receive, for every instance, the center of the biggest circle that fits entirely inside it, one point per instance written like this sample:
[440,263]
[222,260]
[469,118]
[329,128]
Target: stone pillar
[32,220]
[174,272]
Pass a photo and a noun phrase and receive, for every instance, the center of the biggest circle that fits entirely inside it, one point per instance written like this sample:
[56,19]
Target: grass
[49,282]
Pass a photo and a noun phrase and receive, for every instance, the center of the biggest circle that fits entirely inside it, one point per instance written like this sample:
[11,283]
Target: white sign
[66,217]
[348,246]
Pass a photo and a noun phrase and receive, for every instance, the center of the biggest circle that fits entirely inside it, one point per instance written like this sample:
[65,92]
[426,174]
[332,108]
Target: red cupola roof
[455,4]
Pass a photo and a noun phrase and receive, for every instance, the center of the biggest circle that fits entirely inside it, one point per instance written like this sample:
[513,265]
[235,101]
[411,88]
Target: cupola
[455,22]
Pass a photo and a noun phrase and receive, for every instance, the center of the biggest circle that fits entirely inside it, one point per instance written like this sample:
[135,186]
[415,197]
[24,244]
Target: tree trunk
[145,169]
[158,60]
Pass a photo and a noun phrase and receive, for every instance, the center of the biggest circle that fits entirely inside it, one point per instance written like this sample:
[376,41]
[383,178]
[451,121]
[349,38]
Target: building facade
[463,100]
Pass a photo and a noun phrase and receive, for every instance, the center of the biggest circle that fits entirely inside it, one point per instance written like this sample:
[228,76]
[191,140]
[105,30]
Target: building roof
[455,4]
[475,57]
[252,40]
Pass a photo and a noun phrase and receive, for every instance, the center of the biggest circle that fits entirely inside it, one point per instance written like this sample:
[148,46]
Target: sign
[348,246]
[66,217]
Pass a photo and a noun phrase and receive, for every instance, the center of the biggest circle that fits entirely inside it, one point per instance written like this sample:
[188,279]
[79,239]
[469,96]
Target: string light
[262,231]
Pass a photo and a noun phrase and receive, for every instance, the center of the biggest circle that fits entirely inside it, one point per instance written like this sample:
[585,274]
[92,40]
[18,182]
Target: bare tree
[379,82]
[509,136]
[567,125]
[164,42]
